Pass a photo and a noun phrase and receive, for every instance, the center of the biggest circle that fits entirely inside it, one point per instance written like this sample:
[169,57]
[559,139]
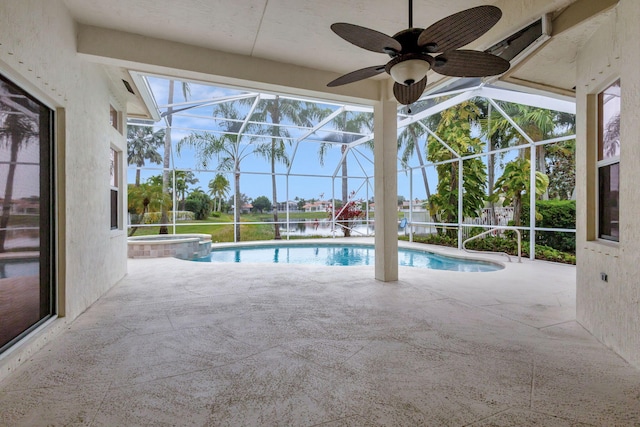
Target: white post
[460,204]
[333,206]
[173,220]
[287,202]
[386,188]
[367,206]
[410,205]
[532,204]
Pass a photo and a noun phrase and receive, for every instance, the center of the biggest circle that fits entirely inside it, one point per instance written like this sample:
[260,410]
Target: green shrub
[553,214]
[154,217]
[434,239]
[199,203]
[507,244]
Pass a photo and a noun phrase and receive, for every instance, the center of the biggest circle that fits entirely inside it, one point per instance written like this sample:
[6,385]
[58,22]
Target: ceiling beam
[528,99]
[152,55]
[579,12]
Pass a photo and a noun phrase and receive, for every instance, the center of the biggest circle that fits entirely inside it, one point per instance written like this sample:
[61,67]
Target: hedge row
[553,214]
[507,244]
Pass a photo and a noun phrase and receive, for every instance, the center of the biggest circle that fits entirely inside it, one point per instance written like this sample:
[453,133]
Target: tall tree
[538,123]
[455,128]
[561,169]
[261,204]
[183,180]
[409,142]
[218,189]
[227,148]
[276,110]
[17,129]
[515,181]
[167,149]
[348,124]
[143,144]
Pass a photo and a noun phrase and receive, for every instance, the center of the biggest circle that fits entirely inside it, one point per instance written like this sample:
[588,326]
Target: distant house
[418,205]
[27,206]
[319,206]
[246,208]
[293,206]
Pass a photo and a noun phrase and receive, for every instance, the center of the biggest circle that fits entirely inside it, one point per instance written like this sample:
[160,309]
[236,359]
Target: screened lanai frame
[453,95]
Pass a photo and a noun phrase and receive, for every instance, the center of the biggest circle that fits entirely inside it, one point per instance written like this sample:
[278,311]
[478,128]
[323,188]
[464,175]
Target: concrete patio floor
[183,343]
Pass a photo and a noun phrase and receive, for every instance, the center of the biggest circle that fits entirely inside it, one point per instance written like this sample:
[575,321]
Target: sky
[255,177]
[26,181]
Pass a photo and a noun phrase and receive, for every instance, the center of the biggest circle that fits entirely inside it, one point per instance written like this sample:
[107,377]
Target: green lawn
[221,230]
[24,220]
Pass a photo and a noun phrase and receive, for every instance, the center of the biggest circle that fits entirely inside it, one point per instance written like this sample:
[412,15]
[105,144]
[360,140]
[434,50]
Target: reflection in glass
[609,184]
[609,122]
[25,221]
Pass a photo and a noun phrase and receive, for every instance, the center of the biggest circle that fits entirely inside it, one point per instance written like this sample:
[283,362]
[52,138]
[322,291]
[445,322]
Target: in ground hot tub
[183,246]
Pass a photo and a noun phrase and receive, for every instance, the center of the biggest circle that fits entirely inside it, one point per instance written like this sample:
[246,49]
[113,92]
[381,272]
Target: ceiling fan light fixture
[409,69]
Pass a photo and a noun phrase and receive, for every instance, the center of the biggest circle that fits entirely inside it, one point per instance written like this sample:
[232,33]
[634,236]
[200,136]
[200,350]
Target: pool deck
[184,343]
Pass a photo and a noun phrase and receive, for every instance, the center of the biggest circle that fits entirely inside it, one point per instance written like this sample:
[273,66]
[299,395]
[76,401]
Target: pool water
[345,255]
[19,267]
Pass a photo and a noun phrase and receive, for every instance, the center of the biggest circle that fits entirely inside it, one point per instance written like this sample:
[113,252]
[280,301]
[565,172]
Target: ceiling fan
[412,51]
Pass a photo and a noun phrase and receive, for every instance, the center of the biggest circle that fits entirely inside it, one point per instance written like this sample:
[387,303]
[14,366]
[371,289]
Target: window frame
[114,118]
[604,162]
[115,190]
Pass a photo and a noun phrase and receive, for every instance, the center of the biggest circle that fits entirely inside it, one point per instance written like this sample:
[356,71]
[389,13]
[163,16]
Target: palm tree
[227,148]
[278,110]
[349,124]
[143,144]
[455,128]
[218,189]
[515,181]
[538,123]
[498,136]
[408,144]
[183,180]
[17,129]
[143,197]
[167,149]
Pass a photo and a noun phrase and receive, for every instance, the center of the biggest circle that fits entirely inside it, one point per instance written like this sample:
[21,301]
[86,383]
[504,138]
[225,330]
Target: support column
[386,189]
[532,204]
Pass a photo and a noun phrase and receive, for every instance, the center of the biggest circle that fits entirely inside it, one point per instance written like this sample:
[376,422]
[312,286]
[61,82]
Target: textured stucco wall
[610,310]
[38,51]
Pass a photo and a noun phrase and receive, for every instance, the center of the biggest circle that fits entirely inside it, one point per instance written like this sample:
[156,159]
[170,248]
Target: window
[609,162]
[26,214]
[113,117]
[114,182]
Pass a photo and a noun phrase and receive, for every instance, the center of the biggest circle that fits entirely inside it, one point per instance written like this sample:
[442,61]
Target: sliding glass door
[26,213]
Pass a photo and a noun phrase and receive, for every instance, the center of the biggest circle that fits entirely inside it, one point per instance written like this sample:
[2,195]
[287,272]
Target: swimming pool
[343,255]
[19,267]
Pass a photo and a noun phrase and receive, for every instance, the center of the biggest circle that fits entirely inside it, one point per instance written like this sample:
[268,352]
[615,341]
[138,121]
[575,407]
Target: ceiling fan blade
[354,76]
[409,94]
[366,38]
[469,63]
[459,29]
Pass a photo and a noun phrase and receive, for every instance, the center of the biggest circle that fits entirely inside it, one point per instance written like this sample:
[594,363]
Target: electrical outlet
[604,277]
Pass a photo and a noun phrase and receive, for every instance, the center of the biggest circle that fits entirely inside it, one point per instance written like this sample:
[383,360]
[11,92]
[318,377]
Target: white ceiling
[297,31]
